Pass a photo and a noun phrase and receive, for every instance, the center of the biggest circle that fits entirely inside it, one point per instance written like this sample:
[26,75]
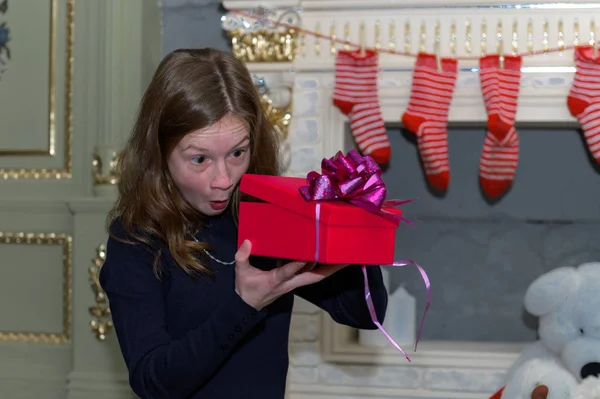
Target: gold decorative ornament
[63,172]
[66,242]
[279,117]
[101,323]
[255,38]
[277,104]
[264,45]
[102,175]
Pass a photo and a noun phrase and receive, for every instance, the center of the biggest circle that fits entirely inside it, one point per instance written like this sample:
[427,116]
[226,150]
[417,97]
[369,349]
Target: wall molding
[91,205]
[66,242]
[98,385]
[62,18]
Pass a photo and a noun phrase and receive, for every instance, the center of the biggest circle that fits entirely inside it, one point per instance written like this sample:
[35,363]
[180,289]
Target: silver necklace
[215,259]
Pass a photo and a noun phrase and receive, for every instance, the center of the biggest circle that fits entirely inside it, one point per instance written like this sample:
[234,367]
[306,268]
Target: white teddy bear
[588,389]
[566,358]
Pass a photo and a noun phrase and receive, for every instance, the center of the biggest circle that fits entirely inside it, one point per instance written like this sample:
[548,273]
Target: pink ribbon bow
[351,178]
[357,179]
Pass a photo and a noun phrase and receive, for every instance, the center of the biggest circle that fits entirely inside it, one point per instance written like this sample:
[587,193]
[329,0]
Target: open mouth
[218,205]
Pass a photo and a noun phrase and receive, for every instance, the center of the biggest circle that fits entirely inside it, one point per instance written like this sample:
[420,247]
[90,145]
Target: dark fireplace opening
[481,255]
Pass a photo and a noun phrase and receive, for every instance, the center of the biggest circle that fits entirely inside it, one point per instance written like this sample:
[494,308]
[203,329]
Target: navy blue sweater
[196,338]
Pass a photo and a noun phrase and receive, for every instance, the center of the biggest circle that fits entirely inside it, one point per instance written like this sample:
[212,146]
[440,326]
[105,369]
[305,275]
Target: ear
[589,270]
[548,291]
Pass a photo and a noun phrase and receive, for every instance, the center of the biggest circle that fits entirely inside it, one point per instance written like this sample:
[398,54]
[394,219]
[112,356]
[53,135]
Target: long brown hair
[190,90]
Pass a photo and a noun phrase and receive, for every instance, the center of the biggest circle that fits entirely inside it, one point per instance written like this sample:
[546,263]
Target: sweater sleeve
[342,295]
[160,366]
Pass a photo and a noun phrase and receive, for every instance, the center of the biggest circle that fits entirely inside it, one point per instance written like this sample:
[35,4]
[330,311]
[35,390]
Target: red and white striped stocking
[488,77]
[427,115]
[500,155]
[583,100]
[356,95]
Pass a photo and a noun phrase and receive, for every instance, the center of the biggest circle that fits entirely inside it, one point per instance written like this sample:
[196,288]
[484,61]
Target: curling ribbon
[371,306]
[357,179]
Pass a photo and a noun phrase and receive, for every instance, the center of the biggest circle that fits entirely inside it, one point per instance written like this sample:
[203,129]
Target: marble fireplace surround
[326,360]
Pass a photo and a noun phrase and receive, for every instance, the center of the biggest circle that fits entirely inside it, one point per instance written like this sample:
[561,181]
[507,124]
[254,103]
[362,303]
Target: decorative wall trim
[31,206]
[91,205]
[65,171]
[101,323]
[66,241]
[119,93]
[105,173]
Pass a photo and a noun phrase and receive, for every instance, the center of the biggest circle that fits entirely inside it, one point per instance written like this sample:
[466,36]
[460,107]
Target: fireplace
[547,220]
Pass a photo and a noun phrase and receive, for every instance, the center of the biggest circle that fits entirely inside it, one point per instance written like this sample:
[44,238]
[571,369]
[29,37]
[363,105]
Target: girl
[195,316]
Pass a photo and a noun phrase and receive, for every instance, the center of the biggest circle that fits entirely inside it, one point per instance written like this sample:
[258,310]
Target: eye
[198,159]
[239,152]
[581,331]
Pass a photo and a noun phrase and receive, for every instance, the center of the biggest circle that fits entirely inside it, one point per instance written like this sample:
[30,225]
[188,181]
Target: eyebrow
[195,147]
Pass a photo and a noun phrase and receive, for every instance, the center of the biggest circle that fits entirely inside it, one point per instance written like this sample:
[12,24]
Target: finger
[540,392]
[309,266]
[312,277]
[288,271]
[341,266]
[242,255]
[327,270]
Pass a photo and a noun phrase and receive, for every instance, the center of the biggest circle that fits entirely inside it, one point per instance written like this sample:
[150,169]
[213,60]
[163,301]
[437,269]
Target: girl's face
[207,164]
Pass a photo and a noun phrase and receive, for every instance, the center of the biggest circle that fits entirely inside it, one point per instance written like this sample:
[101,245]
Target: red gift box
[284,225]
[340,217]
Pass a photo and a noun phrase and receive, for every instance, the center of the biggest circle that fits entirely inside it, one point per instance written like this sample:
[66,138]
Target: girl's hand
[259,288]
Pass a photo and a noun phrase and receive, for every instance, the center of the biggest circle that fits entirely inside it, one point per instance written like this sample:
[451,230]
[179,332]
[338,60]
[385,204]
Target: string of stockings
[356,95]
[426,116]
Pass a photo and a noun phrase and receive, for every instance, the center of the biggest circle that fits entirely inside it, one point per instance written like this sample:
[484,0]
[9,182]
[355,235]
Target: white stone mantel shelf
[346,5]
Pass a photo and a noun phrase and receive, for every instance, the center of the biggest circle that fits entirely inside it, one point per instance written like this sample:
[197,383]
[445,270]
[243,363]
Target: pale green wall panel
[77,72]
[30,371]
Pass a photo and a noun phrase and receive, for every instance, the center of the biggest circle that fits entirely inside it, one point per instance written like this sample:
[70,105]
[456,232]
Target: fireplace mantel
[325,357]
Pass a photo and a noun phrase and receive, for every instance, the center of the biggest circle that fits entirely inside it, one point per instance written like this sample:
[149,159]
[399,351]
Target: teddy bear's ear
[549,290]
[589,270]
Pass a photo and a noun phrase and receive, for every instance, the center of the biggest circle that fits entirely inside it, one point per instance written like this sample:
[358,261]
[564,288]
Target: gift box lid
[283,192]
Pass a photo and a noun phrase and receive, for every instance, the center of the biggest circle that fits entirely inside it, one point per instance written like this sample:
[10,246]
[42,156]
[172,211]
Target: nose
[222,179]
[590,370]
